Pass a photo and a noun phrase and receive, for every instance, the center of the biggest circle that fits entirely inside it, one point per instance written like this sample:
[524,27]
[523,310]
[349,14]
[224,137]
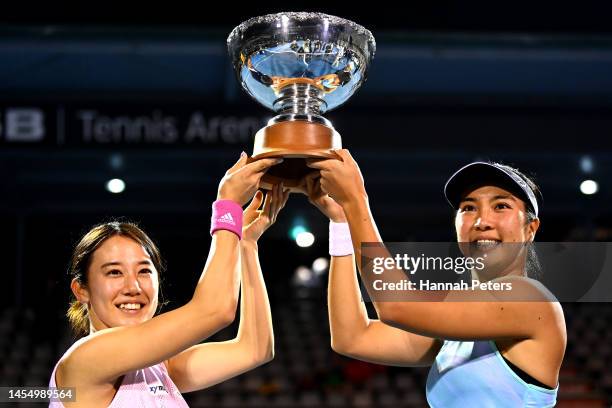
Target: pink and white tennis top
[144,388]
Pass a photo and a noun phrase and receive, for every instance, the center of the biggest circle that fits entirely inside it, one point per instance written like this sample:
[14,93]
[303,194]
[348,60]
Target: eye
[501,206]
[146,270]
[114,272]
[467,207]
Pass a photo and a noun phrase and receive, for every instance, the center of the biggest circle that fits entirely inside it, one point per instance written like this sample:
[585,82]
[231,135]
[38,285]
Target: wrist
[225,235]
[229,197]
[249,244]
[357,204]
[338,219]
[340,242]
[226,215]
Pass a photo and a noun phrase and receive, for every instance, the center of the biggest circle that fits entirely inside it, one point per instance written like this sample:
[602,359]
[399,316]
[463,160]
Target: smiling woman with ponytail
[131,357]
[81,259]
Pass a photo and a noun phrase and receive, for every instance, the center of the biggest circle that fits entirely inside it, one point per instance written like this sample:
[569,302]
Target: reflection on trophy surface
[300,65]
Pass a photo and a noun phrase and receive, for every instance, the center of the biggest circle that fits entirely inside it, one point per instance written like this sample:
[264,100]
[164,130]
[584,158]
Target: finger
[314,187]
[344,154]
[309,185]
[256,201]
[310,180]
[267,203]
[324,187]
[239,164]
[285,199]
[313,175]
[261,165]
[250,212]
[319,163]
[279,199]
[280,202]
[325,174]
[254,179]
[317,187]
[302,187]
[274,202]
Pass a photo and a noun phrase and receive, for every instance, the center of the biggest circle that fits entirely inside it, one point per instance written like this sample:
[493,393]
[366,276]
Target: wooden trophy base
[294,141]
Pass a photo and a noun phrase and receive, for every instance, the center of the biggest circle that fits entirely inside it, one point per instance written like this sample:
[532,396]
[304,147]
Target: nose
[131,285]
[483,221]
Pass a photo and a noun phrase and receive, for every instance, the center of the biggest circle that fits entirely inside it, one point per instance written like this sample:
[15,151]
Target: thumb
[255,202]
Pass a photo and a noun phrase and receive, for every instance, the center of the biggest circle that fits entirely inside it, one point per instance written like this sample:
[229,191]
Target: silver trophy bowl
[300,65]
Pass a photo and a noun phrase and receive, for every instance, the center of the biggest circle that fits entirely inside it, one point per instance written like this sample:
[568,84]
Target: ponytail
[77,316]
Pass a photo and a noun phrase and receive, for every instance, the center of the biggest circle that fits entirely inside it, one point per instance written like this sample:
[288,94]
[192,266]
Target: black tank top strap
[524,376]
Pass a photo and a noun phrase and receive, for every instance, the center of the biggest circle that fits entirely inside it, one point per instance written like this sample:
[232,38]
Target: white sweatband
[340,243]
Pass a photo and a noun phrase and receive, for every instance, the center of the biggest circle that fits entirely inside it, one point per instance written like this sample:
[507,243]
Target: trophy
[300,65]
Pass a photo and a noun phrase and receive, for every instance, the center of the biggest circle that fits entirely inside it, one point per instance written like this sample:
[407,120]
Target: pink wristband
[340,243]
[226,215]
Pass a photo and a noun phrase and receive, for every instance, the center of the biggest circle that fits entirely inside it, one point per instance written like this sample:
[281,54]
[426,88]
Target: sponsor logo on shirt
[157,389]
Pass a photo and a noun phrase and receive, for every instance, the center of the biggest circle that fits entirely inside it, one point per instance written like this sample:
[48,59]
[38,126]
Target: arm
[456,318]
[353,333]
[211,308]
[460,315]
[204,365]
[207,364]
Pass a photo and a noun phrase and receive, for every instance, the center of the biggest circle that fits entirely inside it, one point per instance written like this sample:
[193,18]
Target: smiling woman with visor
[484,348]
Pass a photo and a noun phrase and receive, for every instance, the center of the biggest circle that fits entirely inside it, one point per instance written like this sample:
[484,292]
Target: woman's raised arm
[204,365]
[104,356]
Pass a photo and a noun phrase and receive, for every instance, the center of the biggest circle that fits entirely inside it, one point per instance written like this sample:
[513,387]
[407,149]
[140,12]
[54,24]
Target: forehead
[489,193]
[121,249]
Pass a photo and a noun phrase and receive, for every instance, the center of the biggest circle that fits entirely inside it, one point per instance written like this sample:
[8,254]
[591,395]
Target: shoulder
[75,359]
[525,289]
[537,299]
[63,366]
[74,350]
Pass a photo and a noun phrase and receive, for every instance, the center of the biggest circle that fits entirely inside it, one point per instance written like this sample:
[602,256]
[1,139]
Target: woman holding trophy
[484,349]
[131,358]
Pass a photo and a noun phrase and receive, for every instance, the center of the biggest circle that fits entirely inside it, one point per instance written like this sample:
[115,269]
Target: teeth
[130,306]
[486,242]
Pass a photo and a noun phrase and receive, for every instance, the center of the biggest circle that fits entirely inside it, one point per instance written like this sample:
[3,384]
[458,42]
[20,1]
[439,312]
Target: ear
[80,292]
[533,228]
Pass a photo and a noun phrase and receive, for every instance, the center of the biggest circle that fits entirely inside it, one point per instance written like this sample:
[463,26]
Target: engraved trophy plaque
[300,65]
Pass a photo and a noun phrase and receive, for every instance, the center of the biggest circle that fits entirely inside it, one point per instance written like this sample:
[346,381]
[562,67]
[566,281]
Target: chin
[137,319]
[496,267]
[128,323]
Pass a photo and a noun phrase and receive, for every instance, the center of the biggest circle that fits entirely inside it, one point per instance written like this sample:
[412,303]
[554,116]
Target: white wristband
[340,243]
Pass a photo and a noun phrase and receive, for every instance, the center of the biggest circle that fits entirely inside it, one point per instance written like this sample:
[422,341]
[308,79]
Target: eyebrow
[497,197]
[116,263]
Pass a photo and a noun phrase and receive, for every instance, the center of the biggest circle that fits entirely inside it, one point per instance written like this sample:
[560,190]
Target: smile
[485,243]
[129,308]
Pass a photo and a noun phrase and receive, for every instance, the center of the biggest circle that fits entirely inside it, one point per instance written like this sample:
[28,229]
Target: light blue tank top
[474,374]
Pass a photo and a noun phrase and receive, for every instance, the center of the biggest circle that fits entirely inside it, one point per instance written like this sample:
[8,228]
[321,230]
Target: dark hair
[532,265]
[81,260]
